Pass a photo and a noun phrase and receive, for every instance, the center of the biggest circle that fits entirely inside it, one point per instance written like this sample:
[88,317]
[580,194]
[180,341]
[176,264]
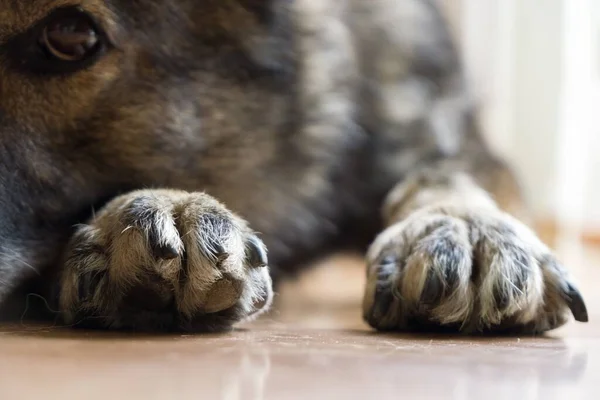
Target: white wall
[576,169]
[535,70]
[592,189]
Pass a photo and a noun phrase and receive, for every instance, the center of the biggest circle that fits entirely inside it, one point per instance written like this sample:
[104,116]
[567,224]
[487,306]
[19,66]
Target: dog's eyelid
[65,51]
[100,24]
[103,21]
[107,26]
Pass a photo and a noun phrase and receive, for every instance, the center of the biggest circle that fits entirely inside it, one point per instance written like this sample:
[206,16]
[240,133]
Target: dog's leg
[162,259]
[452,259]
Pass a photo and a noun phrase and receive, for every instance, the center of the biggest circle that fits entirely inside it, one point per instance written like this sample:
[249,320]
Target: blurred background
[535,67]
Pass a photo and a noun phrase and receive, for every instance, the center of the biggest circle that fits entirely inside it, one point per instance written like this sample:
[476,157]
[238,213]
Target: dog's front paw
[467,271]
[164,260]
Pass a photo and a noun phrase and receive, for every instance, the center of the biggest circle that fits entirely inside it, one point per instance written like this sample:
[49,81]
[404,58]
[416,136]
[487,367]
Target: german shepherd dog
[151,151]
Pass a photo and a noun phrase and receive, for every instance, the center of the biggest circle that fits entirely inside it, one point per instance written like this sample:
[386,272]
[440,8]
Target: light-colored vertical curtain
[535,70]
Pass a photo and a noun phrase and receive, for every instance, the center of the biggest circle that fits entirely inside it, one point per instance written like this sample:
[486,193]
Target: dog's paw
[468,271]
[164,260]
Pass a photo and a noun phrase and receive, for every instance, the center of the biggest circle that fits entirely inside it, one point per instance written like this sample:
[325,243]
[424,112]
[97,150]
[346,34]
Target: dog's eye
[70,37]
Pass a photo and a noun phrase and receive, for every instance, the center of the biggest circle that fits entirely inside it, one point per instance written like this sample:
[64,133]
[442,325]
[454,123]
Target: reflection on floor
[314,346]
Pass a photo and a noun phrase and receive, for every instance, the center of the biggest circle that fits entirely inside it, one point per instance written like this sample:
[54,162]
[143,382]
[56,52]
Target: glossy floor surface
[314,347]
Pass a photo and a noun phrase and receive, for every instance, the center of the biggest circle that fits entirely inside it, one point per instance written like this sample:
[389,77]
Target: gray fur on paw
[162,259]
[466,271]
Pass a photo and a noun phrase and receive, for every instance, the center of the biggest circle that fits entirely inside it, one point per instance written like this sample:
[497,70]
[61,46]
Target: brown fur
[299,116]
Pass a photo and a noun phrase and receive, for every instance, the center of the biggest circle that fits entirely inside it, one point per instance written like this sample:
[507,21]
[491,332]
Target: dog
[152,151]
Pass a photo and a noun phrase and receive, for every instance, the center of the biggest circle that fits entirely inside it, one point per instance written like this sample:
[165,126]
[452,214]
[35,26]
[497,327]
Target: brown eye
[70,37]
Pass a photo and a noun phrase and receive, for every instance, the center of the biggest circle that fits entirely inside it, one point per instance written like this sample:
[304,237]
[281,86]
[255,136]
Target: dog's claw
[256,255]
[576,303]
[165,252]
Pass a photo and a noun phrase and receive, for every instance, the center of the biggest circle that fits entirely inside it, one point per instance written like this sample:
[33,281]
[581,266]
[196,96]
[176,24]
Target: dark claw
[384,296]
[433,289]
[501,298]
[576,303]
[256,256]
[165,252]
[384,299]
[89,282]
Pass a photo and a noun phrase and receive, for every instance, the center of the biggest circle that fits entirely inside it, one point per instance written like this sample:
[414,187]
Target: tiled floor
[314,347]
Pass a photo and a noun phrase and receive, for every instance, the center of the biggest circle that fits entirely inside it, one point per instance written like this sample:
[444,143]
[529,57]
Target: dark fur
[298,115]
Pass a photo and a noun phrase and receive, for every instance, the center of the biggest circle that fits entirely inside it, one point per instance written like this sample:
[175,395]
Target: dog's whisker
[14,257]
